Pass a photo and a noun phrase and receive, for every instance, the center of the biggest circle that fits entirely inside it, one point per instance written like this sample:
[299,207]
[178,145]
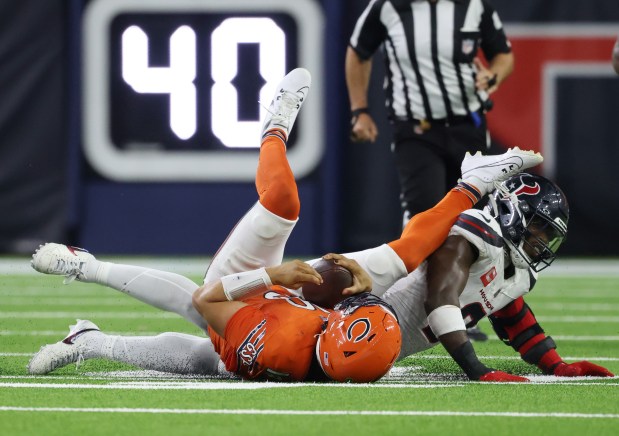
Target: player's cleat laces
[59,259]
[285,106]
[62,353]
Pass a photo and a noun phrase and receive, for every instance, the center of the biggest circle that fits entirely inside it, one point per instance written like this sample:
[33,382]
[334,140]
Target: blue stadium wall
[49,190]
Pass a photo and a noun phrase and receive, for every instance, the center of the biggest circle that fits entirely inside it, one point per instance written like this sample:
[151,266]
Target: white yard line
[72,301]
[576,307]
[311,412]
[429,356]
[578,319]
[62,333]
[570,358]
[576,267]
[179,265]
[88,313]
[216,385]
[159,315]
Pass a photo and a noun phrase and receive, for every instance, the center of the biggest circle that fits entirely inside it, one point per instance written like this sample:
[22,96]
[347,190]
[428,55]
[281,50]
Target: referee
[436,88]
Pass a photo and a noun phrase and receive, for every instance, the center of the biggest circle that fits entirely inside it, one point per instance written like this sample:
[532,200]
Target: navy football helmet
[533,213]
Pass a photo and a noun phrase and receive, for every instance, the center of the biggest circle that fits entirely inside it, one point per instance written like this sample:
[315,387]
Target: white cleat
[62,353]
[483,171]
[61,260]
[290,96]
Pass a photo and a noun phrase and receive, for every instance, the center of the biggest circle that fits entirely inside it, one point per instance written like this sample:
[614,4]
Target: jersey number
[292,300]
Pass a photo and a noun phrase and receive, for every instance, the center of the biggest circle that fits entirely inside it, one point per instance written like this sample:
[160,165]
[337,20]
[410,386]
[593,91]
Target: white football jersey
[486,291]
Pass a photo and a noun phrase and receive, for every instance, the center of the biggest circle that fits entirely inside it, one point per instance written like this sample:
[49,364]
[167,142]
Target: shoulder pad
[479,228]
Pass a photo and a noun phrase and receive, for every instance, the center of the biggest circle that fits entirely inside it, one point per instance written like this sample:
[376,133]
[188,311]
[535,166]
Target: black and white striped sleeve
[369,32]
[493,38]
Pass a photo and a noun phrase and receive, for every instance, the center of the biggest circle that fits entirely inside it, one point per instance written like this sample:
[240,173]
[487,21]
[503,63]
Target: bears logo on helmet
[361,340]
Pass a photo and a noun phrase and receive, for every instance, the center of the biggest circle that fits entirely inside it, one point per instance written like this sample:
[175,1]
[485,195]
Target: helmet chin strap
[517,255]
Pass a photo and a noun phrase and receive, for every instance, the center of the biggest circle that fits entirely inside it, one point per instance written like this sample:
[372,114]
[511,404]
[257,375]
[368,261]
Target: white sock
[178,353]
[164,290]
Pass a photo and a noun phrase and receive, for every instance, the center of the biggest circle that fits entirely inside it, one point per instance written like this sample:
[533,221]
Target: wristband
[446,319]
[492,81]
[240,284]
[355,114]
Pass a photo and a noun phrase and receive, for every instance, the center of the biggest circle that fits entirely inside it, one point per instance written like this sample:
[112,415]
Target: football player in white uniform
[489,261]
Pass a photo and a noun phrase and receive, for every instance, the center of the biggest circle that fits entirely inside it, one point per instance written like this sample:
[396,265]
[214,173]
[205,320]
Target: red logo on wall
[518,115]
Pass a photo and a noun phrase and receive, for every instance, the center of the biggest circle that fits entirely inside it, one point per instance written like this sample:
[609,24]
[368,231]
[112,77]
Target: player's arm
[516,325]
[358,72]
[218,301]
[499,68]
[448,271]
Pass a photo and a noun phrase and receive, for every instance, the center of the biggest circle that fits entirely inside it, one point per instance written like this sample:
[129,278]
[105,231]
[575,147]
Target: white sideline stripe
[73,301]
[159,315]
[536,380]
[436,356]
[571,319]
[577,307]
[415,381]
[194,386]
[311,412]
[572,338]
[605,267]
[62,333]
[86,314]
[122,300]
[430,356]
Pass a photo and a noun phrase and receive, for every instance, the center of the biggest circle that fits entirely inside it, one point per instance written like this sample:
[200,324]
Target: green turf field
[424,394]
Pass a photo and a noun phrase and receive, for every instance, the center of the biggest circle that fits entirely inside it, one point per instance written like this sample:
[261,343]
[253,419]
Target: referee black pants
[428,162]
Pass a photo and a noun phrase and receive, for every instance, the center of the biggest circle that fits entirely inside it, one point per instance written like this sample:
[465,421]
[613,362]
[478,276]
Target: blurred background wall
[64,94]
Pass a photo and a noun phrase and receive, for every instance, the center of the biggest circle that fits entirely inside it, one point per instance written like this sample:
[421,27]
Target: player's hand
[293,274]
[486,79]
[500,376]
[363,129]
[361,280]
[582,368]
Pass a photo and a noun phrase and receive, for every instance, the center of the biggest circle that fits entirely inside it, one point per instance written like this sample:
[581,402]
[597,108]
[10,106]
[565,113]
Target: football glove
[582,368]
[500,376]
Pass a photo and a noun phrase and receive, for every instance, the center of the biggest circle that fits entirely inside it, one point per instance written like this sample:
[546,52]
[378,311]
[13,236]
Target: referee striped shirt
[429,47]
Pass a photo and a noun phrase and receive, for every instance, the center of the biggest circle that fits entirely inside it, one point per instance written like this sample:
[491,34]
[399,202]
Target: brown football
[335,279]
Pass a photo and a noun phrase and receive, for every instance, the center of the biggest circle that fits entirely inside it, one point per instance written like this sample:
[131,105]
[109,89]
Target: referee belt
[426,124]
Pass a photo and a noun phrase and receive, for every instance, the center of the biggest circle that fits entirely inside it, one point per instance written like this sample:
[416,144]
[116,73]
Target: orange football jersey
[273,338]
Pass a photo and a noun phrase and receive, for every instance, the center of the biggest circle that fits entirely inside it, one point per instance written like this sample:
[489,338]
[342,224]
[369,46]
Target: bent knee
[283,201]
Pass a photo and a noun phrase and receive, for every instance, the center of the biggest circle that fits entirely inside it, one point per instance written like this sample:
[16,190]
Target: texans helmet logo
[525,189]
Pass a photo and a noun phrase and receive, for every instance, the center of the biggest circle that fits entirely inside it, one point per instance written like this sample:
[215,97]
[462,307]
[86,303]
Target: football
[335,279]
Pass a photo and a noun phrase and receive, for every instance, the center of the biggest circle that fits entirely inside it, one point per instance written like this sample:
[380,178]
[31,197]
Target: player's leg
[164,290]
[258,240]
[170,352]
[426,231]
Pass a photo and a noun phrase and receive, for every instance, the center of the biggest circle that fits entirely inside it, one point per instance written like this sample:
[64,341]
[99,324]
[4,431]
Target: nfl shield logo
[467,46]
